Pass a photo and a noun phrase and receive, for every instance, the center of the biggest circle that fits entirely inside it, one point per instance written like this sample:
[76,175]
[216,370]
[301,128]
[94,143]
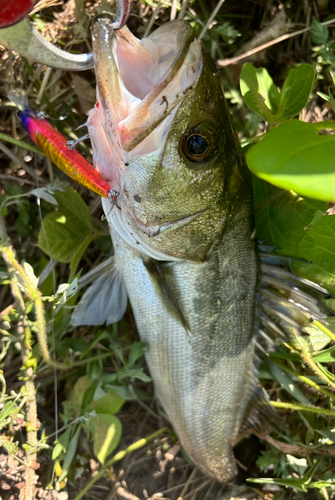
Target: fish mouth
[141,82]
[152,229]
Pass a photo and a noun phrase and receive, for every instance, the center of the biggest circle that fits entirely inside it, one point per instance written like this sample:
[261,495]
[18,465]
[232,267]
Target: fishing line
[53,354]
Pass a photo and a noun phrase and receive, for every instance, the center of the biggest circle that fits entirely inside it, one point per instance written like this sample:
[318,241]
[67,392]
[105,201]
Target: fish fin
[157,269]
[258,412]
[105,301]
[290,308]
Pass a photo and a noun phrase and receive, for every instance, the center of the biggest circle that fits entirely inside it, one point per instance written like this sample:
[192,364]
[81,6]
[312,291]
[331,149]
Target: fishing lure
[55,146]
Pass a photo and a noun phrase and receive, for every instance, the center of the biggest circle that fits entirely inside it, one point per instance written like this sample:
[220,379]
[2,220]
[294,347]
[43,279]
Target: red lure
[13,11]
[72,163]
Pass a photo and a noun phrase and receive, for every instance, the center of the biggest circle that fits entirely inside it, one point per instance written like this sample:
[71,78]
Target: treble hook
[24,38]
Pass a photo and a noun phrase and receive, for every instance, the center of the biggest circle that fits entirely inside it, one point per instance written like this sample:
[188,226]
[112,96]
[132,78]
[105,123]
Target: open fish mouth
[140,85]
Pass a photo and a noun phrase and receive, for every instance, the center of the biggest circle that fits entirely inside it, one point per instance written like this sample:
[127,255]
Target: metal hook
[26,40]
[113,197]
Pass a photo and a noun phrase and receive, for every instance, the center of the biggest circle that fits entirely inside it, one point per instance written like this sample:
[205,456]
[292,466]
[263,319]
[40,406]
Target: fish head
[162,136]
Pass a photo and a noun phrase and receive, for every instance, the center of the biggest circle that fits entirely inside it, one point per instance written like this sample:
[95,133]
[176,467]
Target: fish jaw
[133,113]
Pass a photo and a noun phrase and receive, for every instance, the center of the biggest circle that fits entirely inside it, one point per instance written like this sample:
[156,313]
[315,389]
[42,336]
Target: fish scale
[203,378]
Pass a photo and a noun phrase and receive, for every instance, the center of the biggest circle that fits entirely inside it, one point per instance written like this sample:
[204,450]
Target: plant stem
[27,493]
[119,456]
[17,272]
[324,329]
[300,407]
[306,380]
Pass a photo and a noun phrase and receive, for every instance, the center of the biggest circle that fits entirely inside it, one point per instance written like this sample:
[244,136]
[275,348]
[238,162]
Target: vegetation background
[78,415]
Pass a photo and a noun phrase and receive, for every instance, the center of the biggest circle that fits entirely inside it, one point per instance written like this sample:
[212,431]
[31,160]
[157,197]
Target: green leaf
[100,335]
[301,484]
[108,431]
[259,91]
[79,390]
[295,92]
[331,98]
[287,383]
[137,351]
[133,373]
[56,451]
[70,453]
[281,217]
[70,202]
[319,32]
[110,403]
[322,484]
[88,396]
[294,156]
[79,253]
[262,96]
[327,356]
[63,235]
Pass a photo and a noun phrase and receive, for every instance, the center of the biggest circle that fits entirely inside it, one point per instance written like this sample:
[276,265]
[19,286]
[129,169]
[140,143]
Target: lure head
[162,136]
[13,11]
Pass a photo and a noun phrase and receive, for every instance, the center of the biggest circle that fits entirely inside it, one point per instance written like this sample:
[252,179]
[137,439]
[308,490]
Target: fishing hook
[24,38]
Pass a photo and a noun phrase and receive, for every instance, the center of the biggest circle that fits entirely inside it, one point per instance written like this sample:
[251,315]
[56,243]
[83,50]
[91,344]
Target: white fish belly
[203,377]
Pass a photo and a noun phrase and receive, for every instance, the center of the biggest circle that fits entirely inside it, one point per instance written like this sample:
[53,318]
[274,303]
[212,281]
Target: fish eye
[198,144]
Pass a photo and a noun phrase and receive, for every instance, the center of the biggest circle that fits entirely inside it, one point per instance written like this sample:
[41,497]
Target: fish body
[182,231]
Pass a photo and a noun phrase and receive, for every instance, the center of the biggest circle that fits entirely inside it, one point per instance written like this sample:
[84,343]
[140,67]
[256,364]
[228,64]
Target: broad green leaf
[110,403]
[262,96]
[295,156]
[319,32]
[79,253]
[70,202]
[64,231]
[317,339]
[79,390]
[59,237]
[108,431]
[295,92]
[259,91]
[327,356]
[137,351]
[285,220]
[288,482]
[88,396]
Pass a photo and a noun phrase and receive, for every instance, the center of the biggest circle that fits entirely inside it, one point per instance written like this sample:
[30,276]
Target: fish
[202,289]
[182,230]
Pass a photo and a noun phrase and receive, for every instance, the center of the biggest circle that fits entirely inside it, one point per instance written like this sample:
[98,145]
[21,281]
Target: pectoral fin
[105,301]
